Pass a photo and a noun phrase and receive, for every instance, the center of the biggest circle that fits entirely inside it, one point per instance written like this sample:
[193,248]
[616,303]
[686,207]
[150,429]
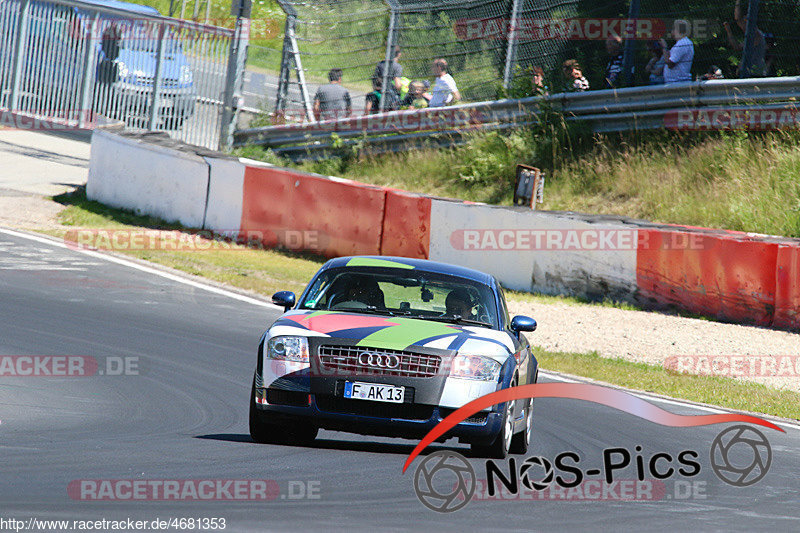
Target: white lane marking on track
[678,403]
[124,262]
[253,301]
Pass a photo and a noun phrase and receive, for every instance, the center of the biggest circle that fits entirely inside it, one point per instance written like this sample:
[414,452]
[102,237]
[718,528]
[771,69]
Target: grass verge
[266,271]
[725,392]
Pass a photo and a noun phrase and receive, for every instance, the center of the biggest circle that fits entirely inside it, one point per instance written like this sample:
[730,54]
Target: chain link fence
[67,64]
[493,47]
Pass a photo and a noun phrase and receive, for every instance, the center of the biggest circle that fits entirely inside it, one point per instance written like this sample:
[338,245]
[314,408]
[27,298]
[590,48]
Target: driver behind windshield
[364,290]
[459,303]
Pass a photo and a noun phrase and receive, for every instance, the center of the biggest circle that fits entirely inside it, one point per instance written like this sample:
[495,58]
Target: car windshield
[416,294]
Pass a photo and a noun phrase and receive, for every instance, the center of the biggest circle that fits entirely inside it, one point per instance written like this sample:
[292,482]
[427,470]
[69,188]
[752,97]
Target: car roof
[382,261]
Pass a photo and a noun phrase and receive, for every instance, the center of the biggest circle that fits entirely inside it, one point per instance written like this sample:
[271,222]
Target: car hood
[395,333]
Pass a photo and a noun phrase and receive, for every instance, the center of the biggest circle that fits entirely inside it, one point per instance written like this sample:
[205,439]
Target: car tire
[520,441]
[500,447]
[264,429]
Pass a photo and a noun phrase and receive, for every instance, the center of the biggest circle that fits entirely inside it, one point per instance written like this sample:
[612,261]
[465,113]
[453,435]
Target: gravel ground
[641,336]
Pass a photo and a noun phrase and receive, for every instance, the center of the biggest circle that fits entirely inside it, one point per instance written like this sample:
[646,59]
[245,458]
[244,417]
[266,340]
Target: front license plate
[376,392]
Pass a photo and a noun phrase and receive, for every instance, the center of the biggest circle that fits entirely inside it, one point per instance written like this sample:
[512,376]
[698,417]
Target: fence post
[387,67]
[234,77]
[301,75]
[87,80]
[749,38]
[630,42]
[511,49]
[155,100]
[19,54]
[283,75]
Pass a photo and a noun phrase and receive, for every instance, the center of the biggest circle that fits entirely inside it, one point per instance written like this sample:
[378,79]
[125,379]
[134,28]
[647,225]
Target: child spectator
[373,104]
[655,67]
[714,73]
[416,96]
[538,88]
[614,67]
[680,56]
[575,82]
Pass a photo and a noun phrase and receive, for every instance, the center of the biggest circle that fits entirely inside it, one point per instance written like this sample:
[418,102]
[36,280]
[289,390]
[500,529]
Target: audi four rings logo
[378,360]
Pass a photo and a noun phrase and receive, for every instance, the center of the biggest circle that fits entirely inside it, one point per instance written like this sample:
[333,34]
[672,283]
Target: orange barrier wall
[787,292]
[406,225]
[720,275]
[306,212]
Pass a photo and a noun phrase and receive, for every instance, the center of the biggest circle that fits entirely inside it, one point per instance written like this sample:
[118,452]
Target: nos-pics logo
[446,482]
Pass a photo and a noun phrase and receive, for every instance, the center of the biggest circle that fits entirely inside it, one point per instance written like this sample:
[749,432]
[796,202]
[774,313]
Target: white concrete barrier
[225,196]
[144,177]
[531,251]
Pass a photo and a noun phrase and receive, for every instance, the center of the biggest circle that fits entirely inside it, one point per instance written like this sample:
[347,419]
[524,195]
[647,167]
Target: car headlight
[475,367]
[288,348]
[186,75]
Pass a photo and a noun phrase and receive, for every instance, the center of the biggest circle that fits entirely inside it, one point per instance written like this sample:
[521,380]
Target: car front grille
[351,360]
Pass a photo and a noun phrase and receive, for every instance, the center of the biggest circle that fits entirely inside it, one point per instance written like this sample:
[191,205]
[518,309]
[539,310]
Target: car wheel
[499,449]
[520,441]
[264,429]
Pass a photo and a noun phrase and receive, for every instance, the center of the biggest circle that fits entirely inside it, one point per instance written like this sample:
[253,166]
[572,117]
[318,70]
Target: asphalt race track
[181,413]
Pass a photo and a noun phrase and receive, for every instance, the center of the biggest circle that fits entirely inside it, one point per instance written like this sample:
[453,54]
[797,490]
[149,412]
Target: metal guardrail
[638,108]
[64,62]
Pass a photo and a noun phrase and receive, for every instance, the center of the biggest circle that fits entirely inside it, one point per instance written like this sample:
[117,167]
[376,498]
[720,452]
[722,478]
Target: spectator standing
[757,65]
[395,78]
[679,58]
[614,66]
[332,100]
[444,89]
[655,67]
[575,81]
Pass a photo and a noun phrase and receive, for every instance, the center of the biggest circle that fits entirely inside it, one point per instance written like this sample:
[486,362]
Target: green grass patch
[245,267]
[725,392]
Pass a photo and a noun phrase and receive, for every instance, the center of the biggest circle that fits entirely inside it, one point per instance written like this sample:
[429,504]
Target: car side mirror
[522,323]
[285,299]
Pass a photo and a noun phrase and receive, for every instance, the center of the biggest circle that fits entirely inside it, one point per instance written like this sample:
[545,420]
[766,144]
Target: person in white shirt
[679,58]
[444,90]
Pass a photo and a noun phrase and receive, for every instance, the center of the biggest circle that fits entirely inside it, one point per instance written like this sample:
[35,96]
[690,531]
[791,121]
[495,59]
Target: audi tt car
[390,346]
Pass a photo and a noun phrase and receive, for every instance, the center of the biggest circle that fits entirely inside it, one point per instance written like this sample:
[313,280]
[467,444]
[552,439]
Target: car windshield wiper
[453,319]
[370,309]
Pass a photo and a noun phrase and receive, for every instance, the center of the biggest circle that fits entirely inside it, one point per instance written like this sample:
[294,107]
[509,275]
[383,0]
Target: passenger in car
[459,302]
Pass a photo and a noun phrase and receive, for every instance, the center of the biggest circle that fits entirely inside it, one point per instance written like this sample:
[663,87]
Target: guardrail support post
[511,49]
[19,54]
[155,99]
[87,82]
[749,38]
